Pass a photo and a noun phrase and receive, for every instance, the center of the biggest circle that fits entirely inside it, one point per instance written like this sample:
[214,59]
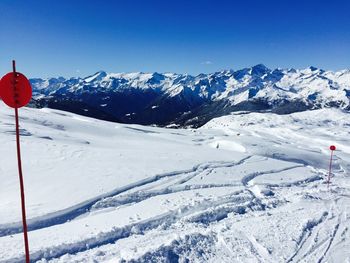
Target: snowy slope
[247,187]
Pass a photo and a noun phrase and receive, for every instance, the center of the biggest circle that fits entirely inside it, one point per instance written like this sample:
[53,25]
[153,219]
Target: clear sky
[80,37]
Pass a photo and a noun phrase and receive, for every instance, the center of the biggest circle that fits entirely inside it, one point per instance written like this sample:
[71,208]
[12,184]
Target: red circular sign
[332,148]
[15,90]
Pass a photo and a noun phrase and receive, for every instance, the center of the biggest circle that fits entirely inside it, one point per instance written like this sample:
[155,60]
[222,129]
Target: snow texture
[247,187]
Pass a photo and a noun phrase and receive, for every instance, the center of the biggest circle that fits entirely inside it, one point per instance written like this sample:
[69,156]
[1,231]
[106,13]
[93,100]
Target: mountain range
[175,100]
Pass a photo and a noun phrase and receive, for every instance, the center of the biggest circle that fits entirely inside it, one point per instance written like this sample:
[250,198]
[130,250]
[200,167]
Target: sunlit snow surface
[243,188]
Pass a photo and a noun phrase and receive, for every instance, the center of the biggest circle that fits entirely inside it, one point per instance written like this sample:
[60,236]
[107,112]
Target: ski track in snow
[198,215]
[307,233]
[80,209]
[202,216]
[318,236]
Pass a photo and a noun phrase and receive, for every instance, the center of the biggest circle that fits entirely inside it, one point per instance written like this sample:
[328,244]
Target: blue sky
[78,38]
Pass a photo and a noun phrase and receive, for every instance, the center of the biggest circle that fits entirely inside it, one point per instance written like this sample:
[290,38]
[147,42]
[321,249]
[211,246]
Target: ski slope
[247,187]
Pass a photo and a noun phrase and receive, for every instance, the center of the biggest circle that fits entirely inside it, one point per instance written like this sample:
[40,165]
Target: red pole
[24,219]
[330,169]
[332,148]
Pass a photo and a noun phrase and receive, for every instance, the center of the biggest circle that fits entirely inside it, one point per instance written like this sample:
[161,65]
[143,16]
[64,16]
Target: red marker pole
[332,148]
[24,218]
[16,92]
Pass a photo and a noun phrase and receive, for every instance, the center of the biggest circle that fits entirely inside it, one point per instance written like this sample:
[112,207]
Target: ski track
[260,251]
[307,232]
[310,244]
[337,215]
[331,239]
[203,213]
[170,253]
[139,196]
[233,204]
[249,177]
[68,214]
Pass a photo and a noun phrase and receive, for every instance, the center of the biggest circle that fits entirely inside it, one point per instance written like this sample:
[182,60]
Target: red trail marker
[16,92]
[332,148]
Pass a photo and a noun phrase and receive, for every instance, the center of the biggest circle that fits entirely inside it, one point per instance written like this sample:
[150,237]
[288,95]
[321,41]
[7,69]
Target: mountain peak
[312,68]
[156,78]
[260,66]
[97,76]
[259,70]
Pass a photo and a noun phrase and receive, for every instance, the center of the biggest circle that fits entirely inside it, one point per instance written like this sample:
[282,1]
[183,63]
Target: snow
[247,187]
[228,145]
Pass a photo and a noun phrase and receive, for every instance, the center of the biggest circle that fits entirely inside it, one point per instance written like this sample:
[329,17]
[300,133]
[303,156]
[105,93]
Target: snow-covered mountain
[168,99]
